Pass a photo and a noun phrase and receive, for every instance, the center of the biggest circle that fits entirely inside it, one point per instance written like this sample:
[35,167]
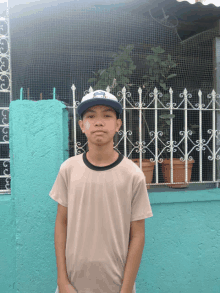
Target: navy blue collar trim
[97,168]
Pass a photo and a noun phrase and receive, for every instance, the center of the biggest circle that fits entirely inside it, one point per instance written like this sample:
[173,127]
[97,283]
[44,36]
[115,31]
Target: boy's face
[101,118]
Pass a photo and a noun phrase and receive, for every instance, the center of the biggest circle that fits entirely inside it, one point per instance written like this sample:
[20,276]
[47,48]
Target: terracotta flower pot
[178,172]
[147,168]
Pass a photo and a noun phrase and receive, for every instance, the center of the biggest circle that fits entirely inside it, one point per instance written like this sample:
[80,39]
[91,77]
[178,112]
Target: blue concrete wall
[38,146]
[182,250]
[182,243]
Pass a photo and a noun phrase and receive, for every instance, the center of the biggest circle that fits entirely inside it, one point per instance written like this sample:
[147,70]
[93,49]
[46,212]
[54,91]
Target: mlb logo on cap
[99,94]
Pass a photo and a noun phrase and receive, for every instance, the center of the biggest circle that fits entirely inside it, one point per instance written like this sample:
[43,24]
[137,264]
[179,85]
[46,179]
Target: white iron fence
[157,133]
[5,98]
[4,144]
[158,136]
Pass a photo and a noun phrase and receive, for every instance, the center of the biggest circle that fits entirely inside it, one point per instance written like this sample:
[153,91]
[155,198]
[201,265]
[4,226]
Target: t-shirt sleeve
[140,206]
[59,189]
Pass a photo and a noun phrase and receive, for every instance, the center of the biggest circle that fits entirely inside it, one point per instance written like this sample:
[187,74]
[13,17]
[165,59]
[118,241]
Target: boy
[102,203]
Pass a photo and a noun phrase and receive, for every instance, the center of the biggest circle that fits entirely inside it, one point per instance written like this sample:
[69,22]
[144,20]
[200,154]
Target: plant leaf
[163,85]
[157,50]
[194,126]
[92,79]
[171,75]
[149,57]
[165,116]
[119,71]
[102,71]
[170,116]
[156,59]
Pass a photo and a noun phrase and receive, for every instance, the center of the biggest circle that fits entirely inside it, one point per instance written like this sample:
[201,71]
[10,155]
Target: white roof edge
[204,2]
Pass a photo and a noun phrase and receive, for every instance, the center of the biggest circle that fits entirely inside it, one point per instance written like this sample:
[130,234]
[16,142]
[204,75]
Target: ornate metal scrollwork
[5,87]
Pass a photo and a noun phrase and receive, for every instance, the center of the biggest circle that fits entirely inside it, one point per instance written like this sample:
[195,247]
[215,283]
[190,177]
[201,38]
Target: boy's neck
[102,159]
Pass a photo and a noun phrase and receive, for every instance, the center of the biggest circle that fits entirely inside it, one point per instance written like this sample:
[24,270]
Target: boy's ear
[80,123]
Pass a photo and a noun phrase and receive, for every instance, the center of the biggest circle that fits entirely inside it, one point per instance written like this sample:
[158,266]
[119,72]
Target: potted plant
[158,73]
[116,76]
[178,165]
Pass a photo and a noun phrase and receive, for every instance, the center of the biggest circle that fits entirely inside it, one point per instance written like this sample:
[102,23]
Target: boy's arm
[60,244]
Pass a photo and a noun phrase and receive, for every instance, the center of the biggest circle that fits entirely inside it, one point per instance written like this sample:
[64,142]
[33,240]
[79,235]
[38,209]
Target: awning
[192,18]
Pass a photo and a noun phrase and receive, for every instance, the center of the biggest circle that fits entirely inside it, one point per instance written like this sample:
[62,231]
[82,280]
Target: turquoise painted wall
[182,246]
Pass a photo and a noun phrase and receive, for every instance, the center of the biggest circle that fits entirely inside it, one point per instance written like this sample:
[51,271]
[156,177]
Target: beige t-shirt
[102,202]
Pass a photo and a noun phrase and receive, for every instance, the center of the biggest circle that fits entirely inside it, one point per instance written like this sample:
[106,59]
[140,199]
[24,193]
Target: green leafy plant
[159,71]
[159,67]
[116,76]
